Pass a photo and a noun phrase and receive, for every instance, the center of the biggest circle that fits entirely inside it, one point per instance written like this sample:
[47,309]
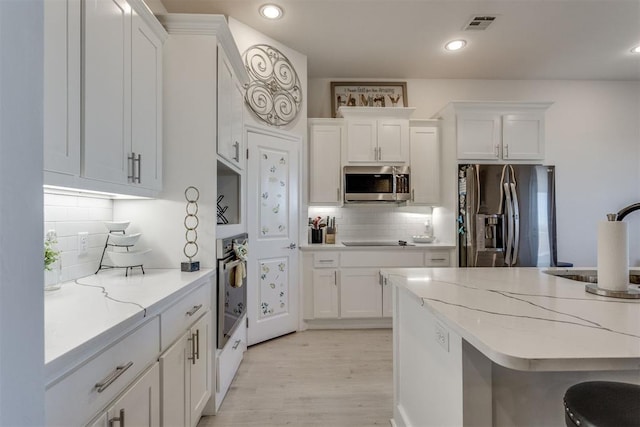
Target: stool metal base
[628,294]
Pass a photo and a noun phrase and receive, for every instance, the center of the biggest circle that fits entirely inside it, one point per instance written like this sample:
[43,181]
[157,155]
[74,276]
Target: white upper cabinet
[325,175]
[104,132]
[425,163]
[230,144]
[498,131]
[146,103]
[62,86]
[376,135]
[107,85]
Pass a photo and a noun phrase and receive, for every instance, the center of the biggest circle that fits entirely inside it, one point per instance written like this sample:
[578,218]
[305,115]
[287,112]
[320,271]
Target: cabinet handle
[133,159]
[194,309]
[120,419]
[236,344]
[109,379]
[438,259]
[325,260]
[379,153]
[506,151]
[413,194]
[335,278]
[338,194]
[237,156]
[194,351]
[197,344]
[496,151]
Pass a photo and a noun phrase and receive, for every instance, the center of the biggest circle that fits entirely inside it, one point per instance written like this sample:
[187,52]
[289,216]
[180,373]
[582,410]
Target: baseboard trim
[384,323]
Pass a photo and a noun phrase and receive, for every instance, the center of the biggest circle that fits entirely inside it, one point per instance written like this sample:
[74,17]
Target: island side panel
[428,383]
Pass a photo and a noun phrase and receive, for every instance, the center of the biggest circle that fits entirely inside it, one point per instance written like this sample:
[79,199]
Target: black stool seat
[602,404]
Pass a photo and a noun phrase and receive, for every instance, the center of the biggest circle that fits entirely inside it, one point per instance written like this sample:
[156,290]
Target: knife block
[330,237]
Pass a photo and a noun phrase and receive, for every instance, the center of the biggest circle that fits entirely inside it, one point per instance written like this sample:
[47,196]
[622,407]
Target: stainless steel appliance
[506,215]
[232,289]
[376,184]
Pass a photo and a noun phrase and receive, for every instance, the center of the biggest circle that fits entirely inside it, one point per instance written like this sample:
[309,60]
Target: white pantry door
[272,222]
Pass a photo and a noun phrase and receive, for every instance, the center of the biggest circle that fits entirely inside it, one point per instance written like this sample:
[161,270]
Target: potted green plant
[52,267]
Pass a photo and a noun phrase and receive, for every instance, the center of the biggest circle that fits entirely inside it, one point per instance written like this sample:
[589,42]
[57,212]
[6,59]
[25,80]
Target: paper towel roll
[613,255]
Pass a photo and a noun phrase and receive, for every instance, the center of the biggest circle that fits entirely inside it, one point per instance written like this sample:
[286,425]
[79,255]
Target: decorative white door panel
[272,217]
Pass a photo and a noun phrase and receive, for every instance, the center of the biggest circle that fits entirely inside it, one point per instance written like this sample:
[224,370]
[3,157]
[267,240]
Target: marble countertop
[87,313]
[338,246]
[524,319]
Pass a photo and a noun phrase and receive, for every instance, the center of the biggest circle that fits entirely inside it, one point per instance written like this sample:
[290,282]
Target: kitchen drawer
[180,316]
[326,259]
[437,259]
[396,258]
[229,360]
[76,399]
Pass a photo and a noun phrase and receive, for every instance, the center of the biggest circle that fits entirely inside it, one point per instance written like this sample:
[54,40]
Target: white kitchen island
[499,346]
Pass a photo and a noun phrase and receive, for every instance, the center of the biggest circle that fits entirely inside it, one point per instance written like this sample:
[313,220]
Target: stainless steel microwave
[376,184]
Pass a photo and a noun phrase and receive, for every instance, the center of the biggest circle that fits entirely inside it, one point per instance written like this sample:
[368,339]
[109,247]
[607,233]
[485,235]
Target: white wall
[593,138]
[21,244]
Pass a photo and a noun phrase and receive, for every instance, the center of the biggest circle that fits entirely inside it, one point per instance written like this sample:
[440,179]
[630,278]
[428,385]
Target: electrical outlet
[442,337]
[83,243]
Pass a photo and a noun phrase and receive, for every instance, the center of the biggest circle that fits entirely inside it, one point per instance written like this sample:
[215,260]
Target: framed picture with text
[367,94]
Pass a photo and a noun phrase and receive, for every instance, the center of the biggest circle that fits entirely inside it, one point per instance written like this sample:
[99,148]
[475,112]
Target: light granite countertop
[524,319]
[88,312]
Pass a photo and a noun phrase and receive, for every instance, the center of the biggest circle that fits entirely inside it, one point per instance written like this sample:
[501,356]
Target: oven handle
[232,264]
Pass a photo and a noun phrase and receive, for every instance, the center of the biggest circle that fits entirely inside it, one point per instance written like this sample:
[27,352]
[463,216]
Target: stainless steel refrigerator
[507,216]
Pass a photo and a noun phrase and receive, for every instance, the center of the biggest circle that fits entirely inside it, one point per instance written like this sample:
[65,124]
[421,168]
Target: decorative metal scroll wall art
[275,93]
[191,222]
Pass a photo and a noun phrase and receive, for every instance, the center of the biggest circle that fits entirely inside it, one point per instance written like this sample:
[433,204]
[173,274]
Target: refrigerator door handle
[508,249]
[516,218]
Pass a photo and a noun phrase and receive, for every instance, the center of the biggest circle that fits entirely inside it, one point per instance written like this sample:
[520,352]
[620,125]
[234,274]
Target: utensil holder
[316,235]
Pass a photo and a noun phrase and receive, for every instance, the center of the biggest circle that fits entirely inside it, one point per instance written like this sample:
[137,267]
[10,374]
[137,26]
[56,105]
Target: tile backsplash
[69,215]
[376,222]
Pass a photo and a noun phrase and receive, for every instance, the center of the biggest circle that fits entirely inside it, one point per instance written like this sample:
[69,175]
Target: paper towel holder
[629,293]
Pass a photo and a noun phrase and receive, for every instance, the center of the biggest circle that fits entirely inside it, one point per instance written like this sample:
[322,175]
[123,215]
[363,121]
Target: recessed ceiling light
[271,11]
[635,49]
[455,45]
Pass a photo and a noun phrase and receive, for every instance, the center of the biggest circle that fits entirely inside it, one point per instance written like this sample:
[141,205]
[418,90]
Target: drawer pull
[102,385]
[236,344]
[438,259]
[194,310]
[120,419]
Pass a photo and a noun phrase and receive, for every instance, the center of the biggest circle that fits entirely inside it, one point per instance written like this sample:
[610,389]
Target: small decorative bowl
[116,225]
[125,259]
[124,239]
[423,239]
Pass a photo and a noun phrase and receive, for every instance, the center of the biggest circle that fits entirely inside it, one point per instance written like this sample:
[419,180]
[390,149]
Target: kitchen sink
[377,243]
[590,276]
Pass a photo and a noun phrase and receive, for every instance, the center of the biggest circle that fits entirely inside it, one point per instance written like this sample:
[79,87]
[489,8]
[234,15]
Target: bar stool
[602,404]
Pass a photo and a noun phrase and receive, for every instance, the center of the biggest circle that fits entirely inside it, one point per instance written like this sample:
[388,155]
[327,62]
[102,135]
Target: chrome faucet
[626,211]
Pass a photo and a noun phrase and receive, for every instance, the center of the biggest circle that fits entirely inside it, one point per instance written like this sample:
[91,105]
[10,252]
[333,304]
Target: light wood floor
[313,378]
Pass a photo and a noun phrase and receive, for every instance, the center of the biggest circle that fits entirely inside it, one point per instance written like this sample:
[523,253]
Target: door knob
[291,246]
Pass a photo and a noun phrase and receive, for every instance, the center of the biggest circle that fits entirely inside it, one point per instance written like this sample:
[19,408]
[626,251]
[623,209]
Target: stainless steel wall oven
[232,286]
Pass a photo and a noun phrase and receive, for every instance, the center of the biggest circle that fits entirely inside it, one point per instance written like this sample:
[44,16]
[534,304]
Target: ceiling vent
[480,22]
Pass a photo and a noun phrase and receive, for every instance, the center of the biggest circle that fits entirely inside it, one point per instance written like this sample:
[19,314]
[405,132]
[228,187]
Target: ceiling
[404,39]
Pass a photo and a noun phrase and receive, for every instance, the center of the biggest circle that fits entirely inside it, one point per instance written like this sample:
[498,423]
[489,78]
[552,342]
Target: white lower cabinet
[185,369]
[348,285]
[228,360]
[139,405]
[325,293]
[360,293]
